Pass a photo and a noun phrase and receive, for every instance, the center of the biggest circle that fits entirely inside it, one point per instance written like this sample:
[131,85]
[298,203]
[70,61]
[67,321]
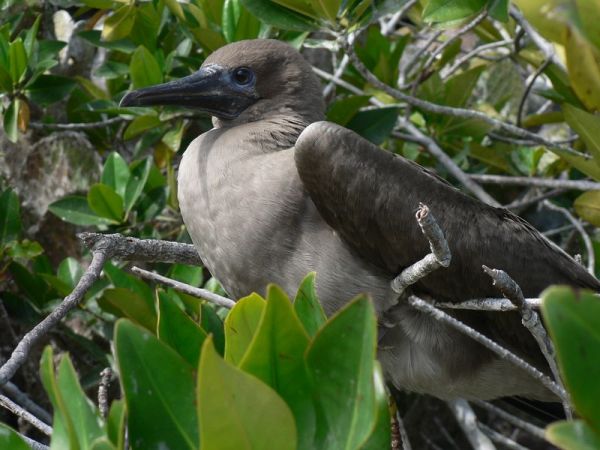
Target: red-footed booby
[273,192]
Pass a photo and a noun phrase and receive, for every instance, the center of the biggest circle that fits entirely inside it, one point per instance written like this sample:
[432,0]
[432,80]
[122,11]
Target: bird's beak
[210,90]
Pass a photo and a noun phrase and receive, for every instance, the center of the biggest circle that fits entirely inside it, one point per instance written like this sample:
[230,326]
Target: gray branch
[514,420]
[105,377]
[467,420]
[20,397]
[440,255]
[581,185]
[488,304]
[25,415]
[499,438]
[76,126]
[185,288]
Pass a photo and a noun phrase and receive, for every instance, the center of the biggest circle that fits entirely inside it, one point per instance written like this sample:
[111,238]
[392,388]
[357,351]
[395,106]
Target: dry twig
[467,420]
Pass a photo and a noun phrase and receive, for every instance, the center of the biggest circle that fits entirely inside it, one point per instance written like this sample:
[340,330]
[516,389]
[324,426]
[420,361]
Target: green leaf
[499,10]
[115,173]
[144,69]
[11,120]
[573,320]
[75,209]
[374,124]
[327,9]
[178,330]
[587,127]
[235,409]
[139,125]
[278,16]
[212,323]
[119,24]
[18,60]
[30,36]
[583,64]
[105,202]
[573,435]
[10,439]
[341,360]
[102,443]
[587,166]
[344,109]
[24,249]
[69,272]
[159,391]
[589,15]
[307,306]
[47,89]
[10,217]
[381,435]
[185,273]
[240,326]
[136,183]
[276,356]
[123,302]
[448,10]
[587,206]
[115,423]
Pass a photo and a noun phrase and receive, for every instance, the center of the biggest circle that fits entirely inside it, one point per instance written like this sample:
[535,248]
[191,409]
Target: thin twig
[476,51]
[579,227]
[35,445]
[488,304]
[449,110]
[76,126]
[499,438]
[438,314]
[403,434]
[186,288]
[440,255]
[105,377]
[25,415]
[528,88]
[390,26]
[22,350]
[514,420]
[20,397]
[467,420]
[581,185]
[531,320]
[518,204]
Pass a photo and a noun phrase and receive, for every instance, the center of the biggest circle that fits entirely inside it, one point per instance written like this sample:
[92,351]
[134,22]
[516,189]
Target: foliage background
[72,160]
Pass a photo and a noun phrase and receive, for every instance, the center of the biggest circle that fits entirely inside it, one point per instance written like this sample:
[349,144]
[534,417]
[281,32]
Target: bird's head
[243,82]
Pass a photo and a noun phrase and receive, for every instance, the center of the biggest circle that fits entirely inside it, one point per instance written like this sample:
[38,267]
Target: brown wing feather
[369,196]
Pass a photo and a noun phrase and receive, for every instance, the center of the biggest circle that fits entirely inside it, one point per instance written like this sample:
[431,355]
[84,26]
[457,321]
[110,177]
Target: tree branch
[581,185]
[25,415]
[467,420]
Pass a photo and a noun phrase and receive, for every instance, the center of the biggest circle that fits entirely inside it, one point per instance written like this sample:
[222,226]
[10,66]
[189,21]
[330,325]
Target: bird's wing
[369,196]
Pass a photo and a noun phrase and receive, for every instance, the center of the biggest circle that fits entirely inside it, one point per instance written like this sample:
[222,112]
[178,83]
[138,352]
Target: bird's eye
[243,76]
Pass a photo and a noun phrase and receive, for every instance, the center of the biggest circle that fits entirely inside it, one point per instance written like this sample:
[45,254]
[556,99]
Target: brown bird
[273,192]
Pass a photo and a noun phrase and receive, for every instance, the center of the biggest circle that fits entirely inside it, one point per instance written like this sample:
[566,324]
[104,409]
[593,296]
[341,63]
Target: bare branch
[467,420]
[487,304]
[589,248]
[514,420]
[25,415]
[438,314]
[76,126]
[35,445]
[448,110]
[12,391]
[389,26]
[105,377]
[403,434]
[476,51]
[185,288]
[499,438]
[21,352]
[518,204]
[532,79]
[581,185]
[133,249]
[439,257]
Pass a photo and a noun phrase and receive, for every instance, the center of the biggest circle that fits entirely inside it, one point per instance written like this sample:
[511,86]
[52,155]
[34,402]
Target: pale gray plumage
[268,198]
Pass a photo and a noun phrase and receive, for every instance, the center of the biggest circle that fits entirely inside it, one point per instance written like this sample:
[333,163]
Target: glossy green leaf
[115,423]
[105,202]
[587,206]
[115,173]
[583,63]
[75,209]
[276,356]
[47,89]
[139,125]
[102,443]
[589,15]
[185,273]
[10,439]
[588,166]
[10,121]
[144,69]
[119,24]
[587,127]
[374,124]
[18,60]
[235,409]
[448,10]
[240,326]
[69,272]
[344,109]
[341,360]
[176,329]
[10,217]
[573,320]
[123,302]
[307,306]
[136,182]
[327,9]
[499,10]
[573,435]
[238,23]
[212,324]
[121,279]
[159,391]
[278,16]
[381,434]
[30,37]
[24,249]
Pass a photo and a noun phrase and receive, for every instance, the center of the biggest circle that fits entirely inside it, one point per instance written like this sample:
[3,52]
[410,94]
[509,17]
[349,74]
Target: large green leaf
[236,409]
[144,69]
[573,320]
[159,391]
[341,361]
[587,206]
[307,305]
[10,439]
[47,89]
[105,202]
[240,326]
[374,124]
[119,24]
[178,330]
[115,173]
[278,16]
[583,63]
[381,435]
[115,423]
[75,209]
[123,302]
[573,435]
[18,60]
[69,272]
[136,182]
[448,10]
[587,127]
[11,119]
[10,217]
[276,356]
